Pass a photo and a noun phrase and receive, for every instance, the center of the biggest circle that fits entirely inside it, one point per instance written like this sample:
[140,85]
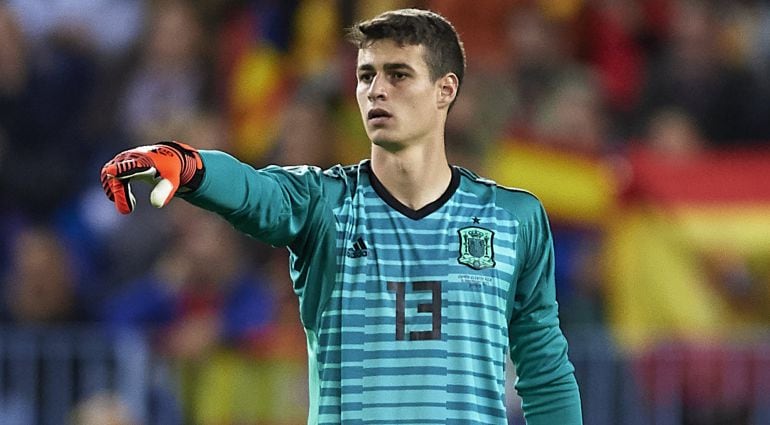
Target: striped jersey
[409,315]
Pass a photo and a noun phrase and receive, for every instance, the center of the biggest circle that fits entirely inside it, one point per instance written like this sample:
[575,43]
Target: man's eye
[365,78]
[399,75]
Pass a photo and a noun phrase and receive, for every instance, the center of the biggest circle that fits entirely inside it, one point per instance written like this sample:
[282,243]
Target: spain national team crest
[476,249]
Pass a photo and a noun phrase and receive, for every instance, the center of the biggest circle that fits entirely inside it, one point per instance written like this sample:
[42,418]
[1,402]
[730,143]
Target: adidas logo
[358,250]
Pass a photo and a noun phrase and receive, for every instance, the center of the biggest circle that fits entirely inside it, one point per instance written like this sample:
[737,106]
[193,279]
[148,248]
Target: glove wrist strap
[191,174]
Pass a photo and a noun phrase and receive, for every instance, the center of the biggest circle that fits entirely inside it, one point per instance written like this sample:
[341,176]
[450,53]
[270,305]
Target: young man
[415,278]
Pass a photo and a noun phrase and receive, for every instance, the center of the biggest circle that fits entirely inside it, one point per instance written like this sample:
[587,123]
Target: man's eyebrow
[387,67]
[397,66]
[365,67]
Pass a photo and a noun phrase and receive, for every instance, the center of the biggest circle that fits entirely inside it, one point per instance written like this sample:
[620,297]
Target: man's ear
[448,85]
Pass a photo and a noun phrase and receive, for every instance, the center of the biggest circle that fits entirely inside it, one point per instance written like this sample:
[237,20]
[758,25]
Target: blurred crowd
[272,82]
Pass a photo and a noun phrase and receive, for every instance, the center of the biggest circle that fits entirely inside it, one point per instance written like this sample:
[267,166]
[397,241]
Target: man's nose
[377,90]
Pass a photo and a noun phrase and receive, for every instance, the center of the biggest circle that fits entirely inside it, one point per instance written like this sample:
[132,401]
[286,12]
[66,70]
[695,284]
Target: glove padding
[168,166]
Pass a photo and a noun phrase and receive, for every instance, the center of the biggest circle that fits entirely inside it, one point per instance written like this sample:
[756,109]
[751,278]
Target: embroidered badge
[476,249]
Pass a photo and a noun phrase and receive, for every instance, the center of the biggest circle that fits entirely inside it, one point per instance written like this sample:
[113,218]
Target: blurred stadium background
[644,126]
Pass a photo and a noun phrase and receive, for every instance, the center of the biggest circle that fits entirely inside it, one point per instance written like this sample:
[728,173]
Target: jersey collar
[394,203]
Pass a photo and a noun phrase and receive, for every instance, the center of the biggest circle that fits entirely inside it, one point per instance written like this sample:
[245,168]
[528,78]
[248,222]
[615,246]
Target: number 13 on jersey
[433,307]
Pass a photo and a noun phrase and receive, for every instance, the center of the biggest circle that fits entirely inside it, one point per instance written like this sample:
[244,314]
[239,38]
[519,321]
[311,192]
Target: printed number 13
[433,307]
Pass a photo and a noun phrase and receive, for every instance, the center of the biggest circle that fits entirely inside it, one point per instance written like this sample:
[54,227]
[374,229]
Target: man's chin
[387,144]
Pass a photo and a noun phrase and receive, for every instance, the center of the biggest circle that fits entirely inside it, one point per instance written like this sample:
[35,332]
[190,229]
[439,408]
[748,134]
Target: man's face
[396,97]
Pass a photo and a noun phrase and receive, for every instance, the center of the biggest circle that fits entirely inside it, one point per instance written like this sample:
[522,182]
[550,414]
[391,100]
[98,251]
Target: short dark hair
[444,50]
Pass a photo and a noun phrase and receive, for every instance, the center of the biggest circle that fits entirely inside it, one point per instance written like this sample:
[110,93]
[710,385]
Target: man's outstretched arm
[271,204]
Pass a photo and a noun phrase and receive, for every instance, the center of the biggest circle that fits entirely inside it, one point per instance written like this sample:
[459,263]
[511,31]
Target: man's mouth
[377,115]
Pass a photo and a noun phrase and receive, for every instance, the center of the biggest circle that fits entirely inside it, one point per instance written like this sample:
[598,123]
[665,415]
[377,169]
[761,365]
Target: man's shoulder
[344,175]
[339,171]
[342,180]
[507,197]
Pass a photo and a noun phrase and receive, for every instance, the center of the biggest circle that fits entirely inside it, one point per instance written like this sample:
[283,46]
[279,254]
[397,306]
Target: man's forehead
[383,52]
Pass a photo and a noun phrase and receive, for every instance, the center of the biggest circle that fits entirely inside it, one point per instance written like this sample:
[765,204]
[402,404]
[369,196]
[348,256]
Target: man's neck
[415,176]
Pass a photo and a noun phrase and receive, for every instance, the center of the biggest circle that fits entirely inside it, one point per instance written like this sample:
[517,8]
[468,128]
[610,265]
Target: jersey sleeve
[274,204]
[545,376]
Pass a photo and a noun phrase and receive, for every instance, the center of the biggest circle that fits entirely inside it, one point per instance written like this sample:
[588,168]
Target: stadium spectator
[693,72]
[13,63]
[41,285]
[166,86]
[673,132]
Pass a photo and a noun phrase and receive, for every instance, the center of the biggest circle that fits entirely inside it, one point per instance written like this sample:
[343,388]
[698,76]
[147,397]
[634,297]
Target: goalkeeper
[416,278]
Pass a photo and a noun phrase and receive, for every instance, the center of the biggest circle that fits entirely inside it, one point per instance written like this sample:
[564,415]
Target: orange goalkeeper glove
[168,166]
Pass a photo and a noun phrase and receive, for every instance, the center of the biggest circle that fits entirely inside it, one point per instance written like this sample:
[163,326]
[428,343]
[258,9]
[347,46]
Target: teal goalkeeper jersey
[409,315]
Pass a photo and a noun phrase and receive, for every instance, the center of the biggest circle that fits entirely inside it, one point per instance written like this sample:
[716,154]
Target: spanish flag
[688,248]
[576,188]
